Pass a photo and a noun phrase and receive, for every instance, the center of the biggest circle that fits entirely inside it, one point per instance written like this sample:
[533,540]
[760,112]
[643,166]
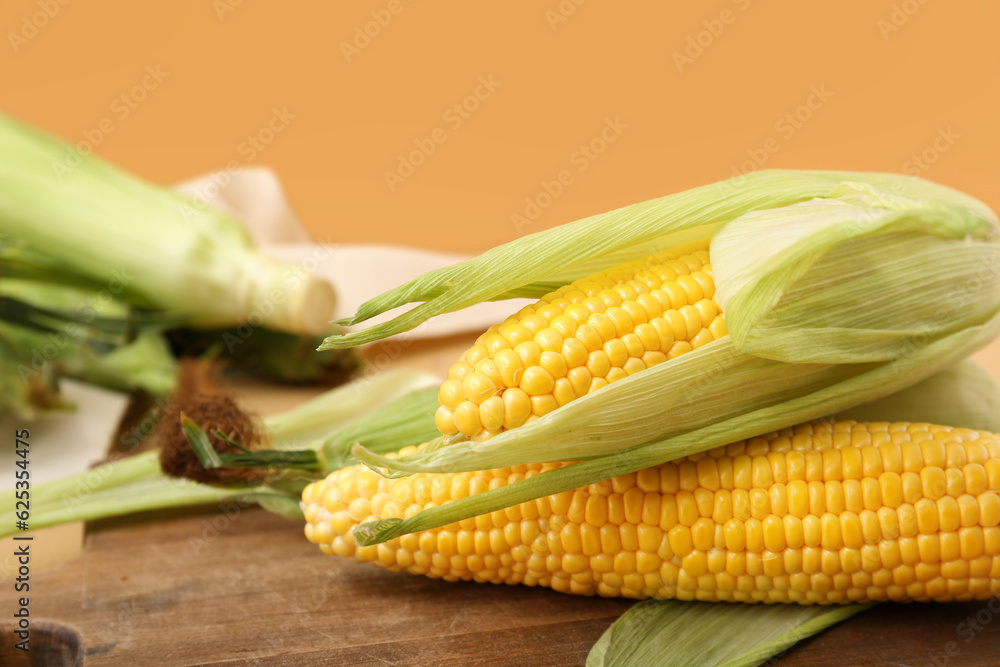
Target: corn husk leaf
[965,395]
[702,634]
[570,251]
[145,363]
[330,413]
[268,354]
[406,420]
[25,394]
[861,276]
[50,330]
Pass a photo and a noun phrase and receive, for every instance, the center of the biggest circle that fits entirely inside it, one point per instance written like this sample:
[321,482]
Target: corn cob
[581,337]
[827,512]
[792,256]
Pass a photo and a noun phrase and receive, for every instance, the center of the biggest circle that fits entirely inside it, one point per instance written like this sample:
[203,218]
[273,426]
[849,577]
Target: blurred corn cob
[89,242]
[154,247]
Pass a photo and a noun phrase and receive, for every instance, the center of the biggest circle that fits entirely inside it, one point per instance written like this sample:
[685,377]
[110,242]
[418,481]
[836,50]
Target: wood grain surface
[235,585]
[239,586]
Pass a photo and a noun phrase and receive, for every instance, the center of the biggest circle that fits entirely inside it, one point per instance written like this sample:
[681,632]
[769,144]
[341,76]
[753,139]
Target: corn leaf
[603,240]
[338,407]
[702,634]
[150,493]
[145,363]
[855,279]
[965,395]
[396,424]
[384,411]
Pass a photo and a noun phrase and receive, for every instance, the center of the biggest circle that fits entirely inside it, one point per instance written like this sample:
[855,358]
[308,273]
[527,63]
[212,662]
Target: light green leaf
[408,420]
[322,416]
[707,634]
[855,279]
[965,395]
[604,240]
[632,231]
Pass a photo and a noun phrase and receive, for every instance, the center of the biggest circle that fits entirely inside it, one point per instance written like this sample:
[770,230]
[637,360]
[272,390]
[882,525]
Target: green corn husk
[50,330]
[965,395]
[144,363]
[90,224]
[837,288]
[709,634]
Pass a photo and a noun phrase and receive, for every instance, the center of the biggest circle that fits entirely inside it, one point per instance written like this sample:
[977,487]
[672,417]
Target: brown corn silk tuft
[199,397]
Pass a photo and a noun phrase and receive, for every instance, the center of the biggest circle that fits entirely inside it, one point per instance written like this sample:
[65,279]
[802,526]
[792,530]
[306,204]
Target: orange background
[229,63]
[899,81]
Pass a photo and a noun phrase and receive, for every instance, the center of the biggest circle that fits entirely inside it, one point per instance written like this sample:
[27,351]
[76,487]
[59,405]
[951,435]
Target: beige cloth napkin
[358,272]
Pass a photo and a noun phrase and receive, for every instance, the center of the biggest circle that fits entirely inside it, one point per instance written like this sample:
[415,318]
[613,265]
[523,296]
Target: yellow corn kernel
[467,418]
[621,321]
[830,513]
[478,387]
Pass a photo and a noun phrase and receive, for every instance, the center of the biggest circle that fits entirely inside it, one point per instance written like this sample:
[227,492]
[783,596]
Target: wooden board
[238,586]
[243,587]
